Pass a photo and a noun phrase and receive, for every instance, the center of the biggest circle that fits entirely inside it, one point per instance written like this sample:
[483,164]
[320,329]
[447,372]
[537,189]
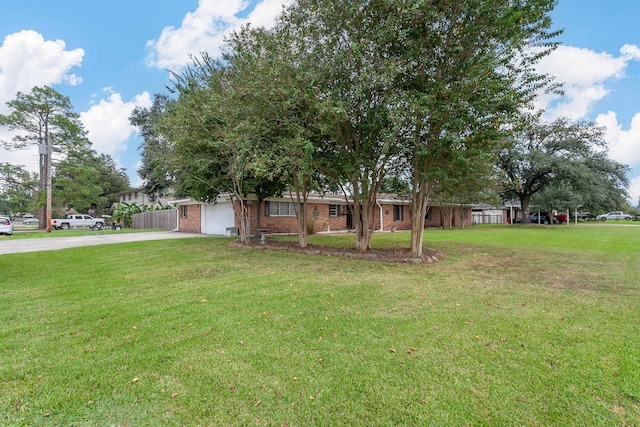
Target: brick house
[329,212]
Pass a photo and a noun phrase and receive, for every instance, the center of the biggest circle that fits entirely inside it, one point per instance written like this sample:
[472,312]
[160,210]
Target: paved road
[56,243]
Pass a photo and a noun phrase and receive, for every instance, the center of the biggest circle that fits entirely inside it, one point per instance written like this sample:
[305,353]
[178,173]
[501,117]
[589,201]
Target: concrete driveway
[56,243]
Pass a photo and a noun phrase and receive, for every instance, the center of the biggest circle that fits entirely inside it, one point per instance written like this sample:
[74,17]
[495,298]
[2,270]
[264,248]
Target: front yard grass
[520,325]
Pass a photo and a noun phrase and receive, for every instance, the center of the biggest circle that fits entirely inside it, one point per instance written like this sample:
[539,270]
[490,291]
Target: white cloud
[584,73]
[28,60]
[624,145]
[136,180]
[107,122]
[631,51]
[634,191]
[266,12]
[204,30]
[28,157]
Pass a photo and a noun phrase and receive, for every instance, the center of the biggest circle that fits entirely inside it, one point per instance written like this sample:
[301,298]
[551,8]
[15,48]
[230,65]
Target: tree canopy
[81,178]
[157,152]
[360,93]
[562,165]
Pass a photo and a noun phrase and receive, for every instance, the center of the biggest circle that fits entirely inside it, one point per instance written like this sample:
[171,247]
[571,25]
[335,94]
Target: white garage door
[217,218]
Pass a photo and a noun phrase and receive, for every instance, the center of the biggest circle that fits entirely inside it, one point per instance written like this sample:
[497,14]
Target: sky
[110,57]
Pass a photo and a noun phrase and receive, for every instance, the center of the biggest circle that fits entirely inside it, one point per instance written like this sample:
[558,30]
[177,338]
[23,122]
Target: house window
[334,210]
[428,215]
[280,209]
[183,211]
[398,212]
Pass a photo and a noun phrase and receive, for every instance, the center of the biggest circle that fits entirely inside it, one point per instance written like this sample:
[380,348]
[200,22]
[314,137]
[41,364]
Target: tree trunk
[525,199]
[419,203]
[301,216]
[363,218]
[447,217]
[240,210]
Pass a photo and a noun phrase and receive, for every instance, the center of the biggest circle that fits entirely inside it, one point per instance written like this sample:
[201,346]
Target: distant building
[140,197]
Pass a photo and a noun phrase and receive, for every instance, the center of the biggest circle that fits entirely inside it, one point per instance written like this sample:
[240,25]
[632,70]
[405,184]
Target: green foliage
[562,165]
[466,69]
[158,163]
[38,112]
[18,189]
[123,214]
[85,181]
[352,90]
[81,178]
[395,185]
[353,93]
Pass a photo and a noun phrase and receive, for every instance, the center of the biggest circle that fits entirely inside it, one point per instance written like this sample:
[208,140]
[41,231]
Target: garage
[217,218]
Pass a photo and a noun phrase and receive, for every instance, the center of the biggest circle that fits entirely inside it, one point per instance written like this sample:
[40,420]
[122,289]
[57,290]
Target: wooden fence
[163,220]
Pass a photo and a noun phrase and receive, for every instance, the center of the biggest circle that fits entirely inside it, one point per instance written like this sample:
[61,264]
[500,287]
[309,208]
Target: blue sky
[111,57]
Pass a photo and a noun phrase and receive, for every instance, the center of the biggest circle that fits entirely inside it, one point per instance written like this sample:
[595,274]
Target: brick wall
[435,220]
[289,224]
[191,223]
[388,221]
[324,222]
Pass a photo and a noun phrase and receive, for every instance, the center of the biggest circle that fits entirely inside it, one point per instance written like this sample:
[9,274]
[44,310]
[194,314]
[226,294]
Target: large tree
[242,125]
[342,44]
[214,156]
[42,117]
[465,74]
[277,113]
[417,87]
[563,163]
[158,165]
[84,180]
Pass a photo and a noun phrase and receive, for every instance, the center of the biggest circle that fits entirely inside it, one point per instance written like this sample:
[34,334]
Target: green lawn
[520,325]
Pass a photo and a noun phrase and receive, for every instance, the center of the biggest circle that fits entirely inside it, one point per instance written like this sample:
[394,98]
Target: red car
[559,219]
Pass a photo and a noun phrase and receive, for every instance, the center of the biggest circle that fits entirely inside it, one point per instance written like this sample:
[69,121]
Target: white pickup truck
[77,220]
[614,215]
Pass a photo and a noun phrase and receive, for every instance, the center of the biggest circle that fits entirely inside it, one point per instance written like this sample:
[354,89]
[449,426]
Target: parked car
[31,221]
[559,219]
[544,218]
[77,220]
[614,215]
[6,225]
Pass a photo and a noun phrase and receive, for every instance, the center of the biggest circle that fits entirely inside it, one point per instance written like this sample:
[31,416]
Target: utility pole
[49,152]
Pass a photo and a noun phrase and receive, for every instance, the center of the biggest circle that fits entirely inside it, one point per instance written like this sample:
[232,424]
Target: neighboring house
[140,197]
[330,213]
